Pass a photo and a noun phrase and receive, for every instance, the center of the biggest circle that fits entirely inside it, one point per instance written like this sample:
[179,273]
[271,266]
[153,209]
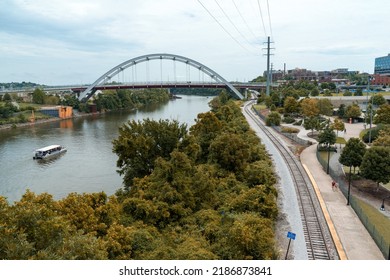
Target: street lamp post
[372,107]
[327,167]
[349,184]
[383,203]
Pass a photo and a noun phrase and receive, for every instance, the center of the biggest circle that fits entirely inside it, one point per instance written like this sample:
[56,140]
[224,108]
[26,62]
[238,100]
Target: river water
[89,165]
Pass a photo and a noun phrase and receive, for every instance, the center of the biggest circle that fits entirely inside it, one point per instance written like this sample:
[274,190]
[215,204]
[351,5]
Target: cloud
[73,36]
[335,50]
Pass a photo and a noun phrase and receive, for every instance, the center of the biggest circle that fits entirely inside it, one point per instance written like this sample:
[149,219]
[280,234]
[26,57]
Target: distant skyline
[57,42]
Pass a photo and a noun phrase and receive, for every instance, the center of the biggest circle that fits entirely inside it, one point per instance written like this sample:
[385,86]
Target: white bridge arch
[88,92]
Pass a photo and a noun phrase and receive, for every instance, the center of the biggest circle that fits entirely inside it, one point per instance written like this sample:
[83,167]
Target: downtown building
[382,71]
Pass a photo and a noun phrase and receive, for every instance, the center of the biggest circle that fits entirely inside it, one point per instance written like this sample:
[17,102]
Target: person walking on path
[334,186]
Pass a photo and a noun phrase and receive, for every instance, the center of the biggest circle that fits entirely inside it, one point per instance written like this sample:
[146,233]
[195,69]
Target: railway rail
[319,243]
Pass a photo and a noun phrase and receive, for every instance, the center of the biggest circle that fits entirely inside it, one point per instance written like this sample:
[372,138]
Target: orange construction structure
[65,112]
[62,112]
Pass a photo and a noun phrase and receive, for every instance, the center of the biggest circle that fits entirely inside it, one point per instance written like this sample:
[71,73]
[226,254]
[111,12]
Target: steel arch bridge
[89,91]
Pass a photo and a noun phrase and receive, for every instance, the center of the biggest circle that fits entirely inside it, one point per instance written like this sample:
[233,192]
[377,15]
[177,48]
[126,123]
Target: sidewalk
[349,231]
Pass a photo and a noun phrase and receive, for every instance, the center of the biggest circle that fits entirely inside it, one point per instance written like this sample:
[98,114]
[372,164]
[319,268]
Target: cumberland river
[89,165]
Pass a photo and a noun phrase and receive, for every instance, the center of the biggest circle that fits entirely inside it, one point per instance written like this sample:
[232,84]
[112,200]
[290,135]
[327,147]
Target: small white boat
[49,152]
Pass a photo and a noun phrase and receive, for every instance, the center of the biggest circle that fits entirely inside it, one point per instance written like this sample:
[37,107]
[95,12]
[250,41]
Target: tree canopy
[383,115]
[353,152]
[327,136]
[38,96]
[187,195]
[140,143]
[309,107]
[376,164]
[353,111]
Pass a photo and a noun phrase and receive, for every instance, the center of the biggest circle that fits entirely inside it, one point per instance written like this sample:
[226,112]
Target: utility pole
[372,108]
[268,65]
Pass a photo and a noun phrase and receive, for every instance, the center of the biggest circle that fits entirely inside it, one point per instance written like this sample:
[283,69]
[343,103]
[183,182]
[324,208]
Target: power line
[243,19]
[226,15]
[223,27]
[269,19]
[262,19]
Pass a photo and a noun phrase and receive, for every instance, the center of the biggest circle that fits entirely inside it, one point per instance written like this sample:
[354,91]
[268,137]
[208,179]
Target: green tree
[222,99]
[311,123]
[324,85]
[70,100]
[291,105]
[206,128]
[377,100]
[92,213]
[268,101]
[315,92]
[140,143]
[347,93]
[309,107]
[332,86]
[38,96]
[260,173]
[328,138]
[276,98]
[325,107]
[39,232]
[261,98]
[352,155]
[251,237]
[383,139]
[359,92]
[7,97]
[273,118]
[6,111]
[52,100]
[376,164]
[341,111]
[383,115]
[353,152]
[232,157]
[353,111]
[338,125]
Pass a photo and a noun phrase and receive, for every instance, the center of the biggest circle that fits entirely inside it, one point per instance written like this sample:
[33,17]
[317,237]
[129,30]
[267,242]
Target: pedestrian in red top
[334,186]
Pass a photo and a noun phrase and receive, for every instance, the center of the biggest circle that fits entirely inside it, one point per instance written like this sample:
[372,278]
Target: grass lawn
[324,155]
[346,169]
[381,222]
[36,106]
[259,107]
[341,140]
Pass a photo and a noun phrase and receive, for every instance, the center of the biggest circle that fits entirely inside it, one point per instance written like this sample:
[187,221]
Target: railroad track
[319,243]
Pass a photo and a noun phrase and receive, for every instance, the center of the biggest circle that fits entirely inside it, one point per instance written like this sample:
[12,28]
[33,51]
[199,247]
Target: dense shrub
[287,129]
[273,119]
[288,119]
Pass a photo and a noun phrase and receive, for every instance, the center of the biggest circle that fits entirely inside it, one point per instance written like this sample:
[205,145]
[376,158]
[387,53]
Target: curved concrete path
[357,243]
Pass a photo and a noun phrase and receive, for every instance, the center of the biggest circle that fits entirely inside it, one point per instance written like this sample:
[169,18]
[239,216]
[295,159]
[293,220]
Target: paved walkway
[349,232]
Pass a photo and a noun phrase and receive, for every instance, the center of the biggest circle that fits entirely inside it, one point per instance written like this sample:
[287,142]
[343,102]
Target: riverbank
[42,121]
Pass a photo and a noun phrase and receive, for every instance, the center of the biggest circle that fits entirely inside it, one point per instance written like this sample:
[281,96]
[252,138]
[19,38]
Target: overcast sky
[62,42]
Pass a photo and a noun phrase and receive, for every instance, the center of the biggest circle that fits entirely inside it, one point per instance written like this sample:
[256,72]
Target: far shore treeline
[17,110]
[204,192]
